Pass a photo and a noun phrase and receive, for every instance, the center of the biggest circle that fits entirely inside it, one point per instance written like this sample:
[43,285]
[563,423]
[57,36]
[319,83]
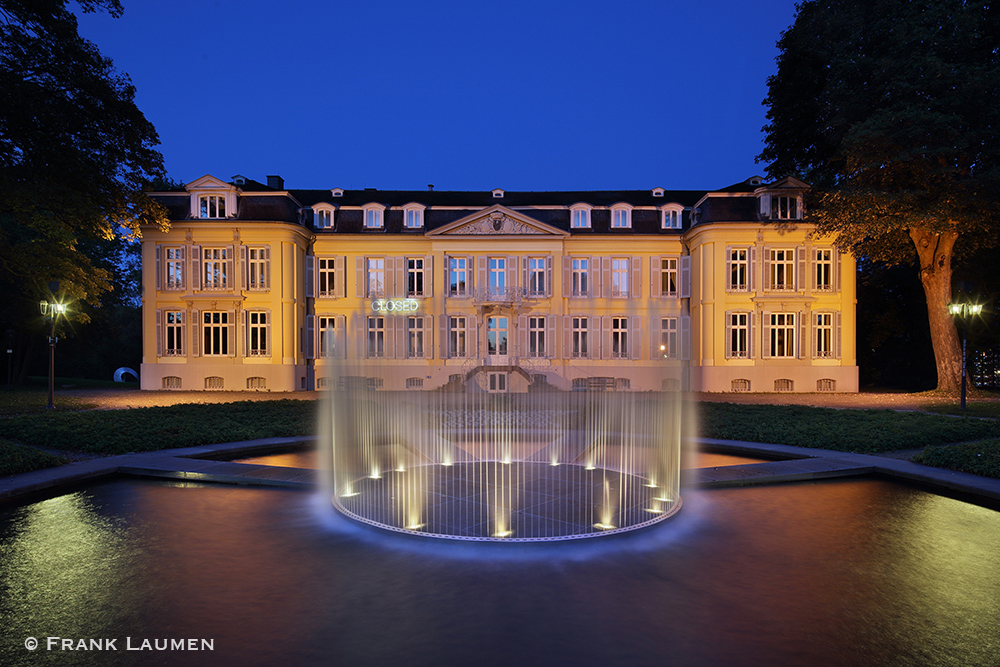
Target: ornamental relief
[498,223]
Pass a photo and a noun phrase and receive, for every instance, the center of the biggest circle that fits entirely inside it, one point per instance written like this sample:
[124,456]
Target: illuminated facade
[256,287]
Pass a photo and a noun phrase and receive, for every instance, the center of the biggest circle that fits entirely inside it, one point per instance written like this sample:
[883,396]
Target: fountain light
[503,533]
[604,526]
[415,526]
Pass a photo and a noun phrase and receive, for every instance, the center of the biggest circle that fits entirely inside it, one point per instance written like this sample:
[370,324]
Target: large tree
[75,156]
[891,110]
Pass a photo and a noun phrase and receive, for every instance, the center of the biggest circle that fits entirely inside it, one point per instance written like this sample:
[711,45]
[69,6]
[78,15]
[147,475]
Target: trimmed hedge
[977,458]
[15,459]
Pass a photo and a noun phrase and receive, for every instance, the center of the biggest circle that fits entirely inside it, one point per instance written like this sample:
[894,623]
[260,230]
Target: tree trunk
[935,250]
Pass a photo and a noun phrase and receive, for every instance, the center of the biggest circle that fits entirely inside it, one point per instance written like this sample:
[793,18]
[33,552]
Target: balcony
[501,296]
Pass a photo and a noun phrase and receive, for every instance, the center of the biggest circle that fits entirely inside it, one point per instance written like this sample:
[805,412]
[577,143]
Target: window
[373,218]
[458,274]
[668,276]
[823,335]
[823,262]
[414,337]
[171,382]
[782,272]
[740,385]
[498,276]
[376,337]
[826,384]
[671,219]
[215,333]
[579,337]
[376,277]
[536,336]
[257,330]
[619,337]
[496,340]
[327,276]
[324,218]
[212,206]
[580,218]
[256,383]
[784,384]
[739,336]
[414,276]
[413,218]
[414,383]
[739,269]
[668,338]
[327,336]
[173,339]
[784,208]
[782,343]
[580,270]
[619,277]
[215,262]
[536,276]
[496,382]
[215,382]
[456,337]
[257,268]
[621,217]
[174,277]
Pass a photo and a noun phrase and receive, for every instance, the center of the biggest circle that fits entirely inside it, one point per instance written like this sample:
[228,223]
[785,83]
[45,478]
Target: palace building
[259,287]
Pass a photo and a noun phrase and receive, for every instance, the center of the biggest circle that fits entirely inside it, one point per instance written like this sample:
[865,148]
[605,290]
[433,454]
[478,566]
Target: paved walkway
[201,464]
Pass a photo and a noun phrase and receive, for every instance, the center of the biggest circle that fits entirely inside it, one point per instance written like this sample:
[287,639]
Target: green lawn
[16,459]
[978,458]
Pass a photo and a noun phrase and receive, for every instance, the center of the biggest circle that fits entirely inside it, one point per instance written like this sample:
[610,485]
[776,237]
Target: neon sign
[395,305]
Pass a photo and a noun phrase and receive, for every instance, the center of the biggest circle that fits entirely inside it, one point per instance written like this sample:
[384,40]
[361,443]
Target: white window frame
[537,268]
[621,216]
[327,330]
[579,217]
[174,326]
[258,268]
[459,267]
[739,268]
[326,276]
[375,268]
[416,278]
[212,204]
[738,340]
[214,268]
[258,333]
[824,264]
[672,217]
[497,278]
[580,335]
[497,346]
[373,216]
[782,335]
[621,272]
[458,346]
[323,217]
[413,217]
[619,338]
[375,339]
[824,334]
[536,337]
[415,343]
[173,268]
[215,334]
[496,382]
[785,207]
[785,268]
[668,338]
[580,282]
[669,285]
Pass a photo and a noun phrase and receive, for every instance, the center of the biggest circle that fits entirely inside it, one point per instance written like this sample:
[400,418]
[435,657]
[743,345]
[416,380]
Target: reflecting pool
[860,572]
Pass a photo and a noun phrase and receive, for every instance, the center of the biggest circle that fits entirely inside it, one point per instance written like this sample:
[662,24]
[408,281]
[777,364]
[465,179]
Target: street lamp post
[964,311]
[52,311]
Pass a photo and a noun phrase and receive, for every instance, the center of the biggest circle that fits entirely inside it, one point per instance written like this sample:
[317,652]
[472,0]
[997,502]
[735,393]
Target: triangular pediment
[788,183]
[208,182]
[497,220]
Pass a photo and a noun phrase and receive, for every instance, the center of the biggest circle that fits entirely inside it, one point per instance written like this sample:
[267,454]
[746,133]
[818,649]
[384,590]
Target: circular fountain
[534,466]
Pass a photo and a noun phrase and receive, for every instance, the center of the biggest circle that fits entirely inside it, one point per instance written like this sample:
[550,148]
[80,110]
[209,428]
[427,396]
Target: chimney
[276,182]
[430,186]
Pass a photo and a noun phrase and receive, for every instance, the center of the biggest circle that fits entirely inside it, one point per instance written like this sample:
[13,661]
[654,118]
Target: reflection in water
[832,573]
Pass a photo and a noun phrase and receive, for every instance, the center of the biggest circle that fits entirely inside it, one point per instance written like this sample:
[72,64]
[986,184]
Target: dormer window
[413,216]
[579,217]
[498,193]
[324,217]
[212,206]
[337,192]
[784,208]
[373,216]
[672,216]
[621,216]
[658,192]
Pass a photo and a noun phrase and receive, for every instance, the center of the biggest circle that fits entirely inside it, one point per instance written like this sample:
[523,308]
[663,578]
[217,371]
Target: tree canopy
[891,110]
[75,156]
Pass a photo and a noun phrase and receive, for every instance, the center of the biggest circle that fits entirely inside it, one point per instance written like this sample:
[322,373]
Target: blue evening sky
[465,95]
